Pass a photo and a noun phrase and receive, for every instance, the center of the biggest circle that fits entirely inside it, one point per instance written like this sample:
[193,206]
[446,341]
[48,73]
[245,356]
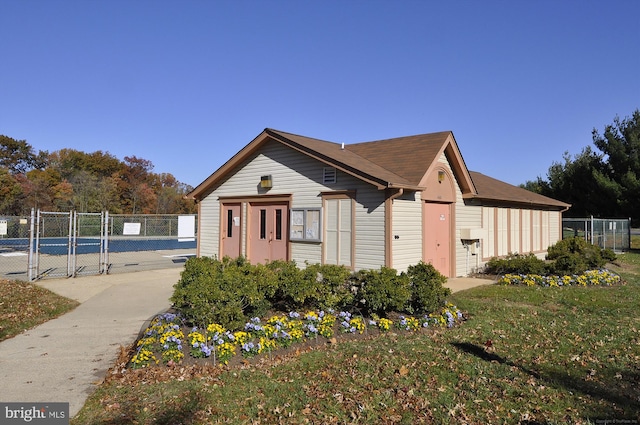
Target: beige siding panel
[407,231]
[488,224]
[554,227]
[331,231]
[536,230]
[526,231]
[209,227]
[345,231]
[369,228]
[502,231]
[545,230]
[514,231]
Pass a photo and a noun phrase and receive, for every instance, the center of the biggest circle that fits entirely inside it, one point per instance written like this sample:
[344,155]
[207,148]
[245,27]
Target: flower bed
[165,341]
[588,278]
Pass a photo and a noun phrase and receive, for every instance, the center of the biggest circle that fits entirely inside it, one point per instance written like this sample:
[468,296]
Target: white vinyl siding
[406,240]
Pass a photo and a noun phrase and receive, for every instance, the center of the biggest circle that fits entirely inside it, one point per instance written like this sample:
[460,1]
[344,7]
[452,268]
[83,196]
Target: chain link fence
[14,246]
[68,244]
[150,241]
[612,233]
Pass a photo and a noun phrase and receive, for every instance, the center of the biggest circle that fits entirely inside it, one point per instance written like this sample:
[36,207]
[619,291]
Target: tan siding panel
[514,230]
[502,231]
[369,228]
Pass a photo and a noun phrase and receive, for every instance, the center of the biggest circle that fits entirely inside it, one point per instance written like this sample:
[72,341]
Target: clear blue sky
[186,84]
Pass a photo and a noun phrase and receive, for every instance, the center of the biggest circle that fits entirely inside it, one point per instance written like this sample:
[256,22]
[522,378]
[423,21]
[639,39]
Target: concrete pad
[62,360]
[461,283]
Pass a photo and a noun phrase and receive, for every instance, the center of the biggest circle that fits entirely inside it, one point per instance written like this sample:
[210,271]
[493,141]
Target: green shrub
[232,291]
[516,263]
[317,286]
[228,292]
[576,255]
[330,284]
[290,291]
[428,294]
[381,291]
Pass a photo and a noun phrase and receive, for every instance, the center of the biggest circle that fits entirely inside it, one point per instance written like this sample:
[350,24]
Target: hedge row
[566,257]
[231,291]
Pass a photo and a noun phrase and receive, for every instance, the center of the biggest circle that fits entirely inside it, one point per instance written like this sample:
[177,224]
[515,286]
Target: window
[229,223]
[305,224]
[279,224]
[263,224]
[329,175]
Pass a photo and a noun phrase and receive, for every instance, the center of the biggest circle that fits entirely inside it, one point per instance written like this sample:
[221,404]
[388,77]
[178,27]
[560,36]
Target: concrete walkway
[461,283]
[62,360]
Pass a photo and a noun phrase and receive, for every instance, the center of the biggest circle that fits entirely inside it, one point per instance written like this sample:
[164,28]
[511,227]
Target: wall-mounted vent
[329,175]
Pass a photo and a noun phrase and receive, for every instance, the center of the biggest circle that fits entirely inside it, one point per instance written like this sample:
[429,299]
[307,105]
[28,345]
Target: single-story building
[365,205]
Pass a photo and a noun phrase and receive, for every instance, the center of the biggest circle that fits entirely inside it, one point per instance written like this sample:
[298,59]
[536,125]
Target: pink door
[268,232]
[230,231]
[437,236]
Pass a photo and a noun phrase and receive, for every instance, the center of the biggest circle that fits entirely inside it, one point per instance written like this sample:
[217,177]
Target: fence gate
[59,238]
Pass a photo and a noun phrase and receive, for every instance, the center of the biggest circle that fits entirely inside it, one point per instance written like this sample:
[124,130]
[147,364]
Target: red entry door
[436,236]
[230,232]
[268,232]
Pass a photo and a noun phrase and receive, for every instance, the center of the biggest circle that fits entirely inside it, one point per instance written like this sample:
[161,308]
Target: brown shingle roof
[492,189]
[409,157]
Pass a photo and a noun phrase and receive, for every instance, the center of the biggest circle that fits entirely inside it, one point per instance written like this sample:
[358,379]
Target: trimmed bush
[330,284]
[229,291]
[381,291]
[576,255]
[317,286]
[428,294]
[232,291]
[516,263]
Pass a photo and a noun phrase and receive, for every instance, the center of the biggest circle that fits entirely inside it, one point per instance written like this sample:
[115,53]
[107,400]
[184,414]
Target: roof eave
[559,205]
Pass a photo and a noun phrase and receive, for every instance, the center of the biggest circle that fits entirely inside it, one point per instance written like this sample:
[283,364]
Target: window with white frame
[306,225]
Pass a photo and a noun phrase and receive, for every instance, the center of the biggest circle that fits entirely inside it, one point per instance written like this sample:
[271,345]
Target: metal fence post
[37,246]
[30,269]
[71,248]
[105,244]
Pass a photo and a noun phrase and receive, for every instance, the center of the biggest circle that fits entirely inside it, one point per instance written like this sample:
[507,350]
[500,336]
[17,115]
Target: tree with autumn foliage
[69,179]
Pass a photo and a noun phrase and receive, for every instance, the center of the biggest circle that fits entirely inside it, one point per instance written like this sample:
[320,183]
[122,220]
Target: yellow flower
[215,328]
[240,337]
[384,324]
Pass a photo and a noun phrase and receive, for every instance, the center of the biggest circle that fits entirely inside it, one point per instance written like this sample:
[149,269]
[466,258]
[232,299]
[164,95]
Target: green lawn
[525,355]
